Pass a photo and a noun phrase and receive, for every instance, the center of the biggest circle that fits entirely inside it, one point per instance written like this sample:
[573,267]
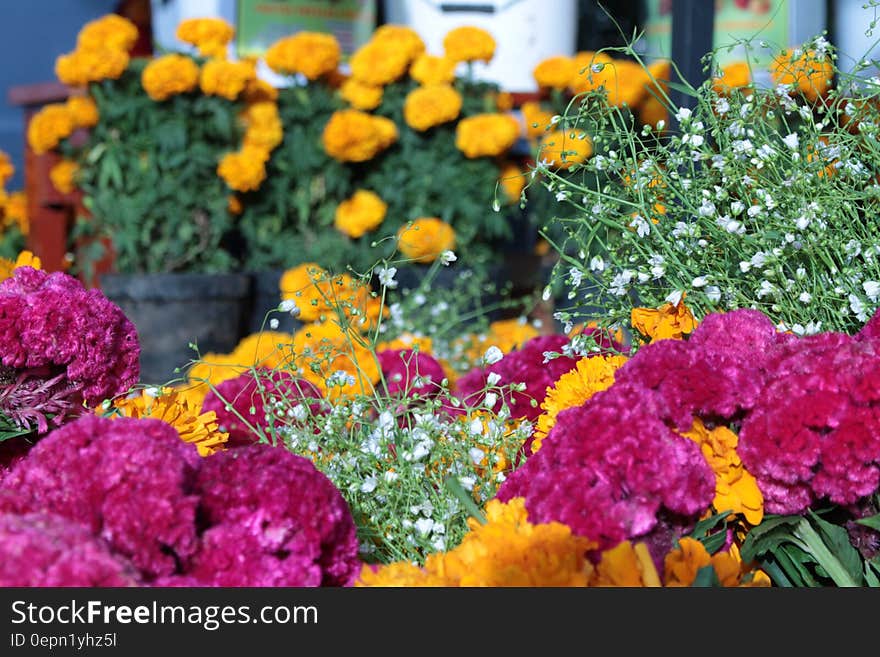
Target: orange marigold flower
[811,74]
[63,176]
[7,169]
[233,204]
[563,149]
[319,295]
[429,106]
[651,111]
[425,239]
[736,489]
[402,37]
[735,75]
[355,136]
[244,170]
[83,110]
[507,550]
[225,79]
[626,565]
[360,214]
[682,565]
[513,181]
[51,124]
[360,95]
[210,370]
[431,69]
[555,72]
[503,101]
[323,350]
[588,71]
[668,321]
[379,63]
[15,211]
[210,36]
[168,75]
[625,81]
[263,127]
[311,54]
[469,44]
[591,375]
[80,67]
[110,32]
[269,349]
[537,120]
[486,135]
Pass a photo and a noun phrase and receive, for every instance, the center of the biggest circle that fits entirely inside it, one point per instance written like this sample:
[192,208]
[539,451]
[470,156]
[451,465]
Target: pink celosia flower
[410,373]
[61,346]
[246,403]
[40,549]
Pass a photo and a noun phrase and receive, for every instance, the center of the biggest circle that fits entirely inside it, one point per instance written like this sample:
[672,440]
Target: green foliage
[148,172]
[12,242]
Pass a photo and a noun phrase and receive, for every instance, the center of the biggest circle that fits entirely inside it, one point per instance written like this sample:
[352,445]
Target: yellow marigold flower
[810,73]
[586,77]
[51,124]
[360,95]
[591,375]
[311,54]
[263,127]
[271,349]
[736,489]
[360,214]
[258,91]
[562,149]
[176,409]
[509,334]
[537,120]
[626,565]
[555,72]
[63,174]
[354,136]
[7,169]
[503,101]
[110,32]
[735,75]
[83,110]
[404,341]
[668,321]
[513,181]
[469,44]
[168,75]
[682,565]
[402,37]
[318,295]
[244,170]
[80,67]
[209,35]
[225,79]
[400,574]
[431,69]
[233,204]
[15,211]
[486,135]
[24,259]
[429,106]
[425,239]
[210,370]
[625,81]
[323,349]
[506,551]
[378,63]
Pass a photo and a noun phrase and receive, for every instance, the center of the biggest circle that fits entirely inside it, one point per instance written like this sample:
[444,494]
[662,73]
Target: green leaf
[837,540]
[873,522]
[706,578]
[767,536]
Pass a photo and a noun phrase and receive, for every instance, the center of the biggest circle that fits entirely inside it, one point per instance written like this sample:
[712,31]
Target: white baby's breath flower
[872,289]
[289,306]
[699,281]
[493,378]
[447,257]
[273,323]
[674,297]
[386,277]
[493,355]
[792,141]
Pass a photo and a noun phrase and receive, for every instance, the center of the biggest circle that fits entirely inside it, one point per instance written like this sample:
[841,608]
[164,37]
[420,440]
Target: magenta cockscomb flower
[815,434]
[613,470]
[528,365]
[273,520]
[40,549]
[410,373]
[249,403]
[128,481]
[62,346]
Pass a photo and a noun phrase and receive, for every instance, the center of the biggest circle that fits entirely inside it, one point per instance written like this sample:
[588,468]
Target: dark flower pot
[265,297]
[171,311]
